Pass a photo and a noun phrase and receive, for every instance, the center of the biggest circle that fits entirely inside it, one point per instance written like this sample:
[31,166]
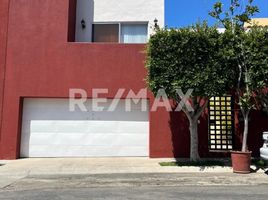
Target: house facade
[49,47]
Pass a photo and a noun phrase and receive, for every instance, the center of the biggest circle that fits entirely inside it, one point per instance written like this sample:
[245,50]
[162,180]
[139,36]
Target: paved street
[124,178]
[147,192]
[138,186]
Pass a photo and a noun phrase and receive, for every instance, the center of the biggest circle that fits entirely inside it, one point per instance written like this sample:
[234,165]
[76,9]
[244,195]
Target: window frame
[119,29]
[92,34]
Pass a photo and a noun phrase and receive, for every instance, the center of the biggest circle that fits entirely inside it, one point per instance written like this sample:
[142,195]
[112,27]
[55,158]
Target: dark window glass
[106,33]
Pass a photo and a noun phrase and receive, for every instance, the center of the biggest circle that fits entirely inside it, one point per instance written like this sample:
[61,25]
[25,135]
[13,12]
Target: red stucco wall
[41,63]
[4,7]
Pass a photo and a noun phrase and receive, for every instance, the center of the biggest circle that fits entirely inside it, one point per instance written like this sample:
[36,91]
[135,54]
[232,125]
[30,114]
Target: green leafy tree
[234,17]
[246,50]
[188,58]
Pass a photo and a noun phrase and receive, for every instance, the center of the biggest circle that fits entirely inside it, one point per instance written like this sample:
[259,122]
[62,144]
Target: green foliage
[188,58]
[260,163]
[247,53]
[256,57]
[237,14]
[245,50]
[249,50]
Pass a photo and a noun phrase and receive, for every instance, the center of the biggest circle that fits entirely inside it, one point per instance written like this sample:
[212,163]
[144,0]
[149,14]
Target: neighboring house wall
[117,11]
[258,21]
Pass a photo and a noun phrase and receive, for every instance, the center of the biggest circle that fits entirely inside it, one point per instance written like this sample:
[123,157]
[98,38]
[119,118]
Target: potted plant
[246,50]
[241,160]
[252,63]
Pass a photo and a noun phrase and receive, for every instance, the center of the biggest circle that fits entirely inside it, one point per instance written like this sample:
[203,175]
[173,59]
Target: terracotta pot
[241,162]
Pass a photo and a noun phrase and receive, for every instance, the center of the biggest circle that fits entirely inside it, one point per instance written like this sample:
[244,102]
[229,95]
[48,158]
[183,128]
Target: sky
[181,13]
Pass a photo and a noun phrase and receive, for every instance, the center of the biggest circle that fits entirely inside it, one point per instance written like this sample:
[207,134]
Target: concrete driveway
[96,166]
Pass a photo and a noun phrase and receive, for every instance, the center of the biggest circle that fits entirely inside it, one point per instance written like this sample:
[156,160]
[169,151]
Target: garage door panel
[62,106]
[90,139]
[87,126]
[85,151]
[49,129]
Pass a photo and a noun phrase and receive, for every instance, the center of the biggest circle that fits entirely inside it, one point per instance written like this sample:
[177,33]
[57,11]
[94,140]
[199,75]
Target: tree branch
[201,109]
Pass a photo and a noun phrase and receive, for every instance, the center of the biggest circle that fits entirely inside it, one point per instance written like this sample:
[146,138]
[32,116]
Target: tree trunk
[245,134]
[193,126]
[194,155]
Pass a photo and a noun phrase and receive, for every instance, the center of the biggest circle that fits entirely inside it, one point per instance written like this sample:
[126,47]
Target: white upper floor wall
[117,11]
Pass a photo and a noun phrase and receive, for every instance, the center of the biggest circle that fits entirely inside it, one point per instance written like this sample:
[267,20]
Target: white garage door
[49,129]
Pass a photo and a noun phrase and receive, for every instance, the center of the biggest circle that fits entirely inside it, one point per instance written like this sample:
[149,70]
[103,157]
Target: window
[134,33]
[105,33]
[120,33]
[221,123]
